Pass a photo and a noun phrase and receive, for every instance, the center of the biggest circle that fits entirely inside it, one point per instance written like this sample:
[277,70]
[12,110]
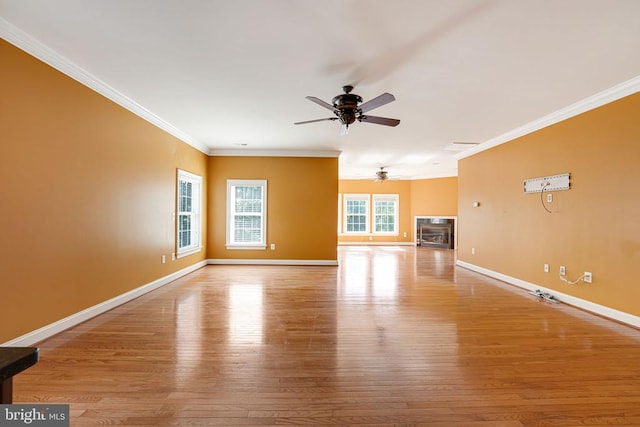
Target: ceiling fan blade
[321,103]
[316,120]
[376,102]
[379,120]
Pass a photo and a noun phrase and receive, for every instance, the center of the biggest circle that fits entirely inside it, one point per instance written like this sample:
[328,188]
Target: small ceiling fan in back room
[381,175]
[348,107]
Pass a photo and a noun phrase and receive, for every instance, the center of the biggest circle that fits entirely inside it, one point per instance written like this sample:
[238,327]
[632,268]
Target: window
[385,216]
[380,218]
[246,214]
[356,213]
[189,203]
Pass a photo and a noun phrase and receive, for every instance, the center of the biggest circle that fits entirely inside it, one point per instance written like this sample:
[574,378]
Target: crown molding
[39,50]
[450,174]
[599,99]
[273,153]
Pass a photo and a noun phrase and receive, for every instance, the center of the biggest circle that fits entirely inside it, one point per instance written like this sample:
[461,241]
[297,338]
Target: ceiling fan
[381,175]
[348,108]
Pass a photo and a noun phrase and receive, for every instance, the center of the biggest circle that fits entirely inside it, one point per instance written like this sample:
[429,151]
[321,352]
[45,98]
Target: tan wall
[400,187]
[437,197]
[302,197]
[88,193]
[593,226]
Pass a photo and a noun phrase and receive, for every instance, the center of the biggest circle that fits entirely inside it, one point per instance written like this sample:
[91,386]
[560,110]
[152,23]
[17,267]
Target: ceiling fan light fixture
[347,116]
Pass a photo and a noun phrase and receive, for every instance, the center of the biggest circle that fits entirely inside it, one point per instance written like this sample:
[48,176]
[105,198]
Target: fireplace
[435,232]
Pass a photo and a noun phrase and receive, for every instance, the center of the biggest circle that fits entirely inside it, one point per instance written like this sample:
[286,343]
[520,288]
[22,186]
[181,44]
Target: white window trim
[339,213]
[367,199]
[231,183]
[196,217]
[385,198]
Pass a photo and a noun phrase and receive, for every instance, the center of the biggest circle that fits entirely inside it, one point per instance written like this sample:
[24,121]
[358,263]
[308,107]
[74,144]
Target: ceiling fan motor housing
[347,107]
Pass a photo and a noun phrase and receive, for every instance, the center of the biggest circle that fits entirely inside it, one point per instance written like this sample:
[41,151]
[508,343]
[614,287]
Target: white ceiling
[222,74]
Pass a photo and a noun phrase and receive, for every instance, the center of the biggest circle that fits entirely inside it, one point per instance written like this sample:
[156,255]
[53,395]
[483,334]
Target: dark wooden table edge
[14,360]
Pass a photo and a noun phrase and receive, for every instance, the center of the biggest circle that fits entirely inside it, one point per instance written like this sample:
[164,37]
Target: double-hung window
[188,234]
[385,214]
[246,214]
[356,213]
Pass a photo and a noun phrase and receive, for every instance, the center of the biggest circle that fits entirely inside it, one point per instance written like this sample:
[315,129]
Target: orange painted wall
[302,197]
[593,226]
[400,187]
[436,196]
[88,196]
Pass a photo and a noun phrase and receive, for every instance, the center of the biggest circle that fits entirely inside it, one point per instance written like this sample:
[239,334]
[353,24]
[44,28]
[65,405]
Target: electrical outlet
[588,277]
[549,198]
[563,270]
[273,246]
[546,268]
[164,259]
[473,251]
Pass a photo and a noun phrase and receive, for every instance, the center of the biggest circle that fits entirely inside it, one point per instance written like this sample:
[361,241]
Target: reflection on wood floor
[394,336]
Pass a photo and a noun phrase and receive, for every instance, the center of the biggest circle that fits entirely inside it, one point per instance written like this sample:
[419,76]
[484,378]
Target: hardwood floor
[394,336]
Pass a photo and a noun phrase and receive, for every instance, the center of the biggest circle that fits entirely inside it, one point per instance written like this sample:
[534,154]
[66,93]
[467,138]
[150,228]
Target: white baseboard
[86,314]
[328,262]
[601,310]
[376,244]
